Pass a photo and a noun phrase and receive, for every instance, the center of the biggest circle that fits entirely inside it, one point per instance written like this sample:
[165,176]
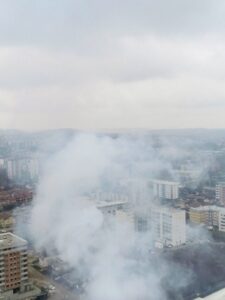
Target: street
[60,293]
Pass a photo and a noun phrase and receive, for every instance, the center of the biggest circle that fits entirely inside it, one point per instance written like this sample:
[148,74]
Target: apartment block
[18,169]
[165,189]
[207,215]
[14,282]
[222,221]
[167,225]
[13,262]
[220,192]
[210,215]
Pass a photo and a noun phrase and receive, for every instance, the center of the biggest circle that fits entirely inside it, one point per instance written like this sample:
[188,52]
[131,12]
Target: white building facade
[168,225]
[166,189]
[220,192]
[19,168]
[222,220]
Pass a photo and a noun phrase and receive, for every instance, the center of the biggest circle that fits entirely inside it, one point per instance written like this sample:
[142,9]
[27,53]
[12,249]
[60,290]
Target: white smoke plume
[115,259]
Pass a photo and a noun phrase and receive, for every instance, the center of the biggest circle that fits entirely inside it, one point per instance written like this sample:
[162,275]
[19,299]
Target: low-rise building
[207,215]
[210,215]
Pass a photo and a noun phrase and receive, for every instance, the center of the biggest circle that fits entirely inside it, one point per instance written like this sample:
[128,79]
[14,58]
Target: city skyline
[112,150]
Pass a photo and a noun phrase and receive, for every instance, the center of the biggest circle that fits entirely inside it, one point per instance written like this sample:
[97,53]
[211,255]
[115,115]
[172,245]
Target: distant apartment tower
[210,215]
[165,189]
[18,169]
[206,215]
[220,192]
[222,221]
[167,225]
[13,263]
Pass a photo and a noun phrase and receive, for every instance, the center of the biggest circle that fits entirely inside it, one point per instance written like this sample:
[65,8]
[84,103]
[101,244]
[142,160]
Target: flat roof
[208,207]
[167,209]
[10,240]
[101,204]
[165,182]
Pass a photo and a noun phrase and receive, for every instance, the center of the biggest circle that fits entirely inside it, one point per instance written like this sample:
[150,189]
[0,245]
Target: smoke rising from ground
[115,259]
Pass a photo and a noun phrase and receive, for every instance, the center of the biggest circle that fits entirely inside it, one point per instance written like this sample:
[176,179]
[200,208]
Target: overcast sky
[95,64]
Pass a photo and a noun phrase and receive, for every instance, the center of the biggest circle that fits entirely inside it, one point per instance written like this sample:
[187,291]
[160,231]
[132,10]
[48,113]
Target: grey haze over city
[113,259]
[112,64]
[112,150]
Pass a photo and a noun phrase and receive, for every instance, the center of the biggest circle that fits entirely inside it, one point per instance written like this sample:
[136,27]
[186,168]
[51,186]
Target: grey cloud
[111,63]
[66,23]
[131,59]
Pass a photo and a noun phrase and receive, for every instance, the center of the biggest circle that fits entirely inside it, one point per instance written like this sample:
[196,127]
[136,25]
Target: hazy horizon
[111,130]
[112,149]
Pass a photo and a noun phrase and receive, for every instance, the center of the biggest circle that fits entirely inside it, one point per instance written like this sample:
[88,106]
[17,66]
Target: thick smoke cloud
[64,219]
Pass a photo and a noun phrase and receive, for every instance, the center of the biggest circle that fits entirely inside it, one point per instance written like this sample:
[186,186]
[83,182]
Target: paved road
[61,292]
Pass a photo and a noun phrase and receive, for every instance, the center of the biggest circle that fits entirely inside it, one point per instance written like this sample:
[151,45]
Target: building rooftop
[101,204]
[167,209]
[208,207]
[165,182]
[9,240]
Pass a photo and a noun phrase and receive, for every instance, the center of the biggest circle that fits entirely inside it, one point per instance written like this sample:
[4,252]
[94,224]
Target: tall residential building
[222,221]
[188,174]
[167,225]
[22,169]
[220,192]
[14,283]
[165,189]
[13,262]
